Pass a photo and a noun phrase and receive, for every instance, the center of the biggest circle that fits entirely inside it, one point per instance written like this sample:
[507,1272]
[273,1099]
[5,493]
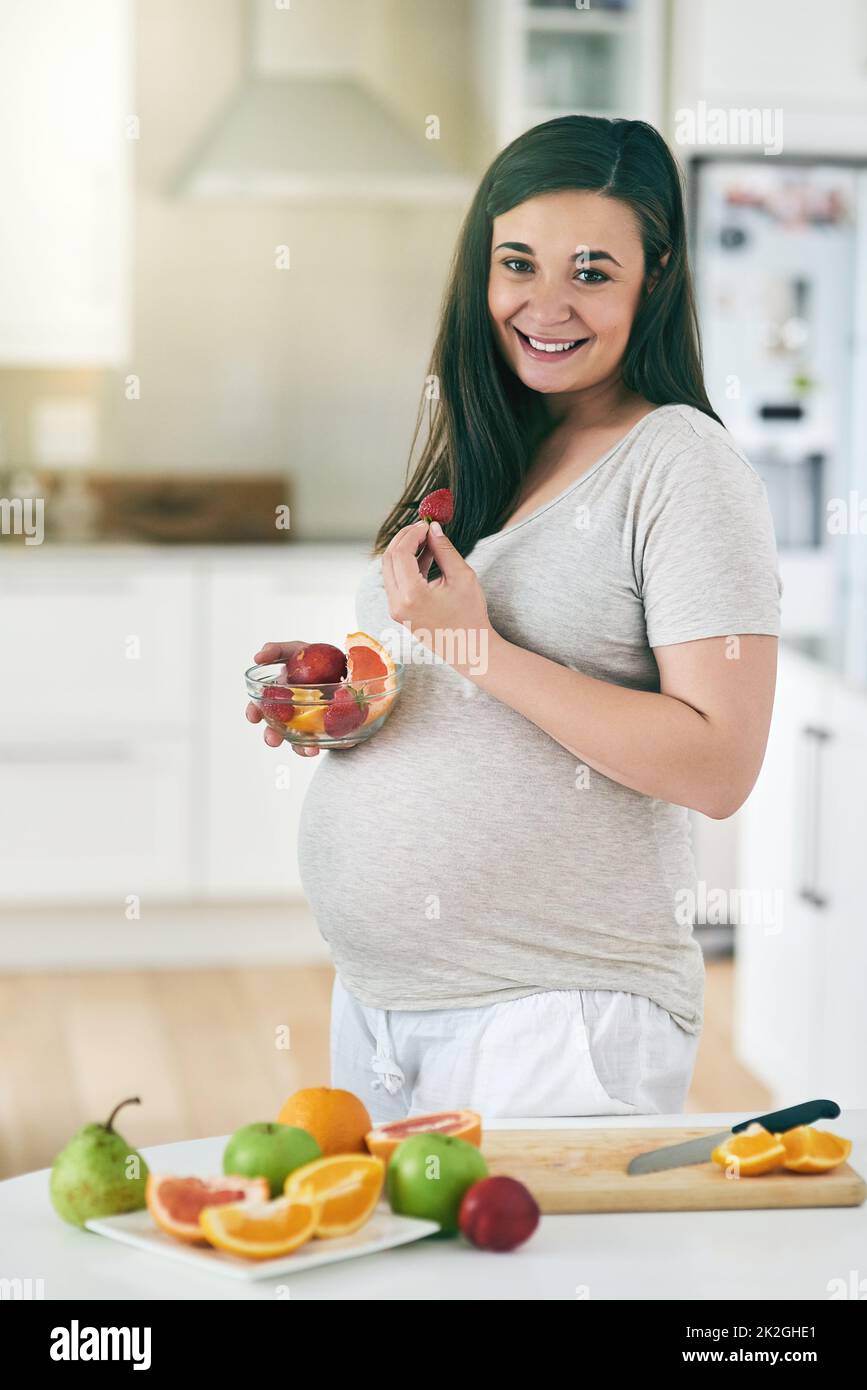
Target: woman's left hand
[447,615]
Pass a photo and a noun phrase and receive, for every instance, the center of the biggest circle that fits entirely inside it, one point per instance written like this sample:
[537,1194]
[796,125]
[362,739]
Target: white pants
[560,1052]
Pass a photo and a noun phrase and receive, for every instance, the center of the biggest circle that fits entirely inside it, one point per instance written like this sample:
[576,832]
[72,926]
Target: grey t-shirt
[462,856]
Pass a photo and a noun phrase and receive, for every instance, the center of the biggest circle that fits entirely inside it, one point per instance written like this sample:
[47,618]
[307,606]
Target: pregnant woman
[504,873]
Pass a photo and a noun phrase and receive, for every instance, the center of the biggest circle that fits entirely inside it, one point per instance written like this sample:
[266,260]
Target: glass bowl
[327,715]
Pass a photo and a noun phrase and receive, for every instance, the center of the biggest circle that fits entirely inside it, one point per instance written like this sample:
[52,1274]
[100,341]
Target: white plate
[383,1231]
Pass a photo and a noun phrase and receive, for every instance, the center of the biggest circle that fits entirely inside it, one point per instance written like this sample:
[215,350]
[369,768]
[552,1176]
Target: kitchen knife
[700,1150]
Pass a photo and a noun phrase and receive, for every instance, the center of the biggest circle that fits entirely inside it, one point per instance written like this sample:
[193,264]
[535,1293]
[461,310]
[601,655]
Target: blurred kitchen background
[227,226]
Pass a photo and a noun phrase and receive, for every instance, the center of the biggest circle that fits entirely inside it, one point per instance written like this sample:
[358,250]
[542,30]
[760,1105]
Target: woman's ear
[653,277]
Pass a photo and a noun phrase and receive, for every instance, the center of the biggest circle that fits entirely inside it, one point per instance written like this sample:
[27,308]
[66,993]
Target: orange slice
[461,1124]
[346,1187]
[308,721]
[260,1230]
[810,1150]
[175,1203]
[751,1152]
[367,659]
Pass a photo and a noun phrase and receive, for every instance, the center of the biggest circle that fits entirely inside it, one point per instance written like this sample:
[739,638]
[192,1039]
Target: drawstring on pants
[388,1073]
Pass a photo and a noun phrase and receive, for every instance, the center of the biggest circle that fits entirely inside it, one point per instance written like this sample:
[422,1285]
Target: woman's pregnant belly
[456,857]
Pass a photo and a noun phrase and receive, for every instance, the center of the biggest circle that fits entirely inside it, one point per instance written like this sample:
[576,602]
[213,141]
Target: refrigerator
[779,253]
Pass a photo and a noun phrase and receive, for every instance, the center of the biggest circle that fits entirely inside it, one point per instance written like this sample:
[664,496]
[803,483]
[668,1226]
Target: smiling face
[566,278]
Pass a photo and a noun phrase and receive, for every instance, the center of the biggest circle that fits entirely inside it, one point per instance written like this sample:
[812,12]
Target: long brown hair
[485,424]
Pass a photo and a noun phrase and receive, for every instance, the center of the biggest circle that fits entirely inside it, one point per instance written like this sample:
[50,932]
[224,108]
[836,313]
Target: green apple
[269,1151]
[428,1175]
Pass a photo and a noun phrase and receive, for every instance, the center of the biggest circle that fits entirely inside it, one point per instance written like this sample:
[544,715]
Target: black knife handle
[803,1114]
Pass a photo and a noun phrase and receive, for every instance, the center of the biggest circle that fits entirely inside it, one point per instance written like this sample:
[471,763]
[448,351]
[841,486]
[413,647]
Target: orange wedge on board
[259,1230]
[800,1150]
[810,1150]
[344,1187]
[751,1153]
[367,660]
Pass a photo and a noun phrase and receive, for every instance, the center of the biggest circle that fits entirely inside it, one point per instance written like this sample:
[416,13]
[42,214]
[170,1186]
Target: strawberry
[277,704]
[437,506]
[344,714]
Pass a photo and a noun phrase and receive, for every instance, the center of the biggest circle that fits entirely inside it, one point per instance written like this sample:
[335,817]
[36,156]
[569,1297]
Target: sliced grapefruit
[346,1186]
[368,661]
[461,1124]
[175,1203]
[259,1230]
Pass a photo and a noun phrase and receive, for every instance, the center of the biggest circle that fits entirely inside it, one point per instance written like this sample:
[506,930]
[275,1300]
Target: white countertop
[149,553]
[790,1254]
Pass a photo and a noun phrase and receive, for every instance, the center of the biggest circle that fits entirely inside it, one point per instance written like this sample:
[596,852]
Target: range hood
[304,123]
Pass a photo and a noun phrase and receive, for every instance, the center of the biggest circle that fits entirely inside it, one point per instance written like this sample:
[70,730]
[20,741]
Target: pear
[98,1174]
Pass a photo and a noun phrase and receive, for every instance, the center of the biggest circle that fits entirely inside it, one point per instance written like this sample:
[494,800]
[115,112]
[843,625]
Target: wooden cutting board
[583,1170]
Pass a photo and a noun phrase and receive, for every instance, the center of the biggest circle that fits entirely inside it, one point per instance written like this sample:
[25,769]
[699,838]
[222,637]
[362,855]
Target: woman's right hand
[270,654]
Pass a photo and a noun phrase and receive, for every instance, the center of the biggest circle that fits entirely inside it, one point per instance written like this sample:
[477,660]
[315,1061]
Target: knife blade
[700,1150]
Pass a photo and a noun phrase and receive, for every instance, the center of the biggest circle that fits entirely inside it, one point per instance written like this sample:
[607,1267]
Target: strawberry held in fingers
[449,614]
[437,506]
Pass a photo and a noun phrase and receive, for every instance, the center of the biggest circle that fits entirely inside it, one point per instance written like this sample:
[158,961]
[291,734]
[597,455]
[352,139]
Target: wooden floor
[201,1048]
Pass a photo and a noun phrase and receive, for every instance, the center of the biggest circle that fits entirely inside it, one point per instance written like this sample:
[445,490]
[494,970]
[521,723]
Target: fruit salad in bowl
[323,697]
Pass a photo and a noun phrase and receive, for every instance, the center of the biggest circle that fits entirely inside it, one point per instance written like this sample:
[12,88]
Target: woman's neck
[605,403]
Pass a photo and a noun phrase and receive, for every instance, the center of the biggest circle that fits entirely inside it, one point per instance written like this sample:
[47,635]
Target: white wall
[316,370]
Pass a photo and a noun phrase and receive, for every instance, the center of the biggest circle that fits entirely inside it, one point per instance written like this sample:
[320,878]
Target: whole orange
[337,1119]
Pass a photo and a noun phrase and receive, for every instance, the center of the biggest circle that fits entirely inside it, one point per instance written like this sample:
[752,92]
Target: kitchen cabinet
[65,171]
[100,645]
[842,886]
[87,820]
[127,764]
[775,56]
[98,740]
[776,1004]
[536,62]
[800,954]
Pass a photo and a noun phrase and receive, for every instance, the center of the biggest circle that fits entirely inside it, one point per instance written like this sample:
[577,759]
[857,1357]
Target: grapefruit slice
[345,1186]
[461,1124]
[367,660]
[175,1203]
[260,1230]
